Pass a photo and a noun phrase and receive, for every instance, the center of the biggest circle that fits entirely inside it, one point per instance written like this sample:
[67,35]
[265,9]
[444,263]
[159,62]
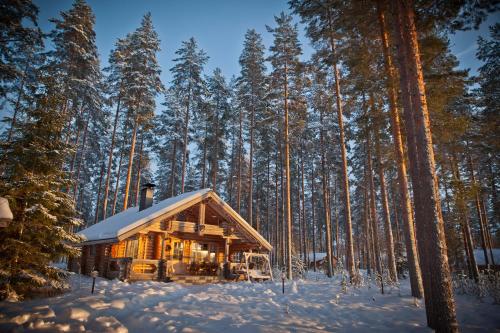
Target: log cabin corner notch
[190,234]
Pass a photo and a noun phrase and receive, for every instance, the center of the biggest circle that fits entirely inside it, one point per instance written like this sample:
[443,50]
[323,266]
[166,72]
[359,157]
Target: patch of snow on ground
[313,305]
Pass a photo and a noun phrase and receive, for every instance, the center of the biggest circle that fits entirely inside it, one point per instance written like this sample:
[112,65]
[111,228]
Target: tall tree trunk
[97,203]
[407,211]
[373,209]
[366,223]
[240,159]
[130,163]
[287,181]
[215,162]
[313,220]
[464,212]
[440,305]
[326,205]
[110,160]
[480,217]
[250,162]
[349,249]
[391,261]
[118,172]
[304,223]
[139,172]
[276,202]
[173,164]
[82,159]
[185,142]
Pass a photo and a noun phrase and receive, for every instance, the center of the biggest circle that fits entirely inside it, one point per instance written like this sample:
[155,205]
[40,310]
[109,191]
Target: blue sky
[218,26]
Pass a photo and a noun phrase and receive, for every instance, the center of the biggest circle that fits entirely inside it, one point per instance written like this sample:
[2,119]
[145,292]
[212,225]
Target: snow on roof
[479,255]
[120,223]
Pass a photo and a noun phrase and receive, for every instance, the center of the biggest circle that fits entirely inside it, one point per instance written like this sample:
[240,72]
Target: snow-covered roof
[116,225]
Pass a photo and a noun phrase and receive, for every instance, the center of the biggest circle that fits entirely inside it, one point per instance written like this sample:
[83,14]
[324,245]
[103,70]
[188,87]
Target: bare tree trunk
[326,204]
[250,162]
[110,161]
[204,162]
[440,305]
[240,158]
[304,223]
[97,204]
[374,219]
[391,261]
[173,163]
[130,163]
[313,220]
[480,216]
[347,201]
[118,172]
[276,202]
[463,210]
[287,182]
[81,161]
[185,142]
[407,211]
[139,171]
[488,232]
[366,222]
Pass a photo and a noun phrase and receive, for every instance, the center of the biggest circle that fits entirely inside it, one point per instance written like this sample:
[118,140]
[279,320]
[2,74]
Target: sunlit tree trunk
[130,163]
[440,305]
[406,207]
[110,160]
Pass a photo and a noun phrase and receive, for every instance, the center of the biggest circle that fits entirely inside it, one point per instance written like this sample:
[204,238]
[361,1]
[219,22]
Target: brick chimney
[146,199]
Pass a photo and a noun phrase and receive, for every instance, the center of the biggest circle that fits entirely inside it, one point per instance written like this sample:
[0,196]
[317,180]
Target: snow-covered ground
[313,305]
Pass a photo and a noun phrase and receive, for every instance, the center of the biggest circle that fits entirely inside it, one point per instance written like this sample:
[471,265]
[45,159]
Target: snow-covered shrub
[298,267]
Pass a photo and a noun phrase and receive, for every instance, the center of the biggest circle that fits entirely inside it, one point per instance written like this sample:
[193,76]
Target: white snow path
[318,305]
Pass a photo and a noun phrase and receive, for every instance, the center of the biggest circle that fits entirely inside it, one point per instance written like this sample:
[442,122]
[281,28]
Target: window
[213,253]
[178,250]
[118,250]
[199,252]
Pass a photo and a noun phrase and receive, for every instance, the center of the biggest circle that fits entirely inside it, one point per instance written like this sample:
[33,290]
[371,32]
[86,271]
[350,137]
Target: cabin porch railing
[136,269]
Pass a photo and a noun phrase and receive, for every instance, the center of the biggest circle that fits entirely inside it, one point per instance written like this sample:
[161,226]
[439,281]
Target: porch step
[194,279]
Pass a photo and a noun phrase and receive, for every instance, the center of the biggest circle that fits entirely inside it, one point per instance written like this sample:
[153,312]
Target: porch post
[162,265]
[226,250]
[201,219]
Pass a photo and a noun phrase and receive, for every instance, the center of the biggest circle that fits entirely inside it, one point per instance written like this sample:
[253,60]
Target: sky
[219,27]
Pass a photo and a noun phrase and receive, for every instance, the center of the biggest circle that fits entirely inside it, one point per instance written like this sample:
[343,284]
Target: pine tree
[141,84]
[321,21]
[20,58]
[284,59]
[440,306]
[251,87]
[44,216]
[219,113]
[188,81]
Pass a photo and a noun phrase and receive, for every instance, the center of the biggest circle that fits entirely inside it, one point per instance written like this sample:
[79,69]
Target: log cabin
[176,239]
